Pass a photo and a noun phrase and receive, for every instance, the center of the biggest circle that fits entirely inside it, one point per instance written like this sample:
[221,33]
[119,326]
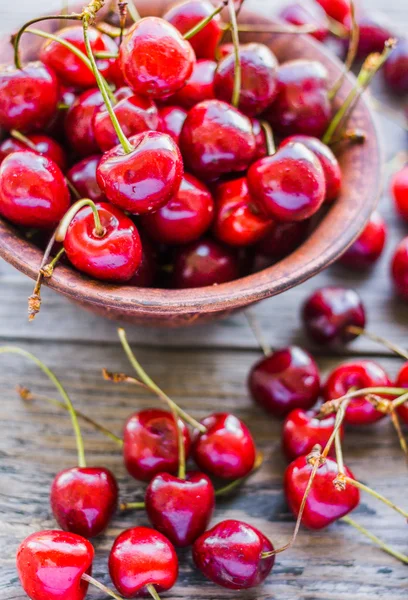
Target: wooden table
[204,369]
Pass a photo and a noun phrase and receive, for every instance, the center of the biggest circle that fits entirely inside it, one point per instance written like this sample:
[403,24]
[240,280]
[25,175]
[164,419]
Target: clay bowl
[169,308]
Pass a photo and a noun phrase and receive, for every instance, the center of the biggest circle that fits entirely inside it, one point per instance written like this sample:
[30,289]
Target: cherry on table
[399,268]
[82,175]
[283,239]
[396,69]
[45,145]
[399,188]
[79,130]
[302,431]
[368,248]
[199,86]
[307,13]
[171,121]
[402,381]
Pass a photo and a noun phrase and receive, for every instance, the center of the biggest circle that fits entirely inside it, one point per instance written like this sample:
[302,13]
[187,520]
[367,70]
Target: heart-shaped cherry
[399,268]
[302,431]
[79,129]
[402,381]
[283,239]
[368,248]
[82,175]
[36,142]
[307,13]
[171,121]
[399,188]
[199,87]
[396,69]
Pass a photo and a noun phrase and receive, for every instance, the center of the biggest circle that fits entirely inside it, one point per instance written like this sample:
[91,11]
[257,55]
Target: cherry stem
[257,332]
[53,378]
[123,10]
[380,340]
[341,413]
[62,228]
[100,586]
[377,495]
[204,22]
[133,12]
[269,138]
[152,591]
[153,387]
[132,506]
[34,301]
[332,405]
[398,401]
[224,491]
[235,40]
[353,136]
[73,189]
[351,54]
[337,29]
[48,269]
[291,29]
[397,426]
[106,55]
[402,557]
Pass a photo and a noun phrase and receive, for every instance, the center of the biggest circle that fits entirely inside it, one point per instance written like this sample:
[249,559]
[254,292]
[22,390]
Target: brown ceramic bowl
[341,225]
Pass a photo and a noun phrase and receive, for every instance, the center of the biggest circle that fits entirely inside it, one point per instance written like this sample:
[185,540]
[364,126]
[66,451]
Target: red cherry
[83,500]
[28,97]
[202,263]
[399,268]
[368,248]
[181,509]
[307,13]
[216,139]
[260,139]
[171,121]
[396,69]
[150,444]
[302,431]
[146,273]
[259,85]
[33,192]
[50,565]
[55,128]
[283,239]
[145,179]
[46,146]
[113,256]
[142,557]
[325,504]
[287,379]
[374,32]
[357,374]
[155,59]
[199,87]
[79,129]
[329,312]
[82,175]
[227,449]
[230,555]
[185,218]
[289,185]
[399,188]
[336,9]
[402,381]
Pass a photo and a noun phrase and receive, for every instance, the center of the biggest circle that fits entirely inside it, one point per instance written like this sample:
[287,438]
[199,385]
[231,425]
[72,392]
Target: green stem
[132,506]
[152,591]
[100,586]
[50,266]
[133,12]
[105,55]
[70,214]
[235,39]
[351,54]
[270,142]
[204,22]
[380,340]
[397,426]
[401,400]
[377,495]
[23,139]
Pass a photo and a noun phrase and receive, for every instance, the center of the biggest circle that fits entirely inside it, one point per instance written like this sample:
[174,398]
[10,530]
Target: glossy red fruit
[357,374]
[150,444]
[260,139]
[216,139]
[55,127]
[79,129]
[50,565]
[185,218]
[402,381]
[82,175]
[399,188]
[302,431]
[230,555]
[83,500]
[199,87]
[155,59]
[368,248]
[336,9]
[33,192]
[289,185]
[287,379]
[329,312]
[399,268]
[283,239]
[307,13]
[396,69]
[146,273]
[46,146]
[28,97]
[139,557]
[114,256]
[374,32]
[181,509]
[259,85]
[145,179]
[227,449]
[202,263]
[171,121]
[325,504]
[186,15]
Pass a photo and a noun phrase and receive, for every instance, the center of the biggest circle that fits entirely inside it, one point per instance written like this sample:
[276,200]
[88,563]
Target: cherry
[339,10]
[140,558]
[325,504]
[396,69]
[28,97]
[399,188]
[144,179]
[289,185]
[199,87]
[33,192]
[82,175]
[230,555]
[181,509]
[55,128]
[260,139]
[171,121]
[146,273]
[287,379]
[237,221]
[203,263]
[50,564]
[185,218]
[216,139]
[307,13]
[155,59]
[329,312]
[150,444]
[186,15]
[45,146]
[373,34]
[79,129]
[399,268]
[283,239]
[227,449]
[302,431]
[357,374]
[368,248]
[402,381]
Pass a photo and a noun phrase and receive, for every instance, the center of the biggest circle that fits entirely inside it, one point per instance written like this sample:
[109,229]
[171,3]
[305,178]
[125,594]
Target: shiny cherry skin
[135,114]
[199,87]
[329,312]
[171,121]
[33,192]
[399,268]
[289,185]
[339,10]
[145,179]
[115,256]
[396,69]
[185,218]
[186,15]
[180,509]
[261,149]
[399,188]
[368,248]
[302,431]
[302,104]
[237,220]
[150,444]
[216,139]
[357,374]
[283,239]
[55,127]
[46,146]
[147,270]
[307,13]
[50,565]
[155,58]
[286,379]
[402,381]
[83,500]
[28,97]
[259,85]
[203,263]
[230,555]
[82,175]
[227,449]
[141,556]
[79,130]
[325,504]
[374,32]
